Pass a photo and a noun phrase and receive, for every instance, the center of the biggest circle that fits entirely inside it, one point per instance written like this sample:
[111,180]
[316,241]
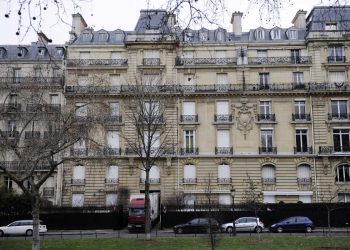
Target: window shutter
[189,108]
[268,172]
[224,171]
[113,139]
[80,144]
[83,80]
[336,76]
[303,171]
[223,138]
[222,108]
[189,171]
[112,172]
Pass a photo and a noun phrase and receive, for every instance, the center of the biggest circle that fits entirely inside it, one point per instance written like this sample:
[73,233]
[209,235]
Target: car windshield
[136,211]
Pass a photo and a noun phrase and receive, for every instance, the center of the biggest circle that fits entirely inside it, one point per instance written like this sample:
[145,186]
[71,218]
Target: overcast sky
[123,14]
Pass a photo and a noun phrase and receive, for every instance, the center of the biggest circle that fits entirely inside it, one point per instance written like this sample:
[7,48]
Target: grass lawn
[200,243]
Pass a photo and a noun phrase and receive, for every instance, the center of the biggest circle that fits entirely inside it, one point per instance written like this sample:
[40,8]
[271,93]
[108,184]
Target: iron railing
[301,117]
[112,151]
[189,180]
[111,181]
[267,150]
[303,150]
[299,86]
[96,62]
[338,116]
[223,150]
[179,61]
[151,180]
[16,165]
[78,182]
[10,133]
[11,107]
[48,191]
[224,180]
[266,117]
[151,61]
[151,119]
[32,135]
[34,107]
[304,181]
[112,119]
[270,181]
[189,118]
[189,151]
[222,118]
[53,108]
[79,152]
[31,80]
[335,149]
[280,60]
[103,89]
[336,59]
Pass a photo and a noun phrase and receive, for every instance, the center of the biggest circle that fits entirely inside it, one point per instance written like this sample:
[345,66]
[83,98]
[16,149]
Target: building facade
[267,105]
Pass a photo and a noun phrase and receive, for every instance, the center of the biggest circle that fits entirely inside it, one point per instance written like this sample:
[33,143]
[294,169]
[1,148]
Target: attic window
[86,37]
[119,36]
[275,34]
[59,52]
[203,36]
[220,35]
[41,52]
[292,34]
[2,53]
[21,52]
[259,34]
[102,37]
[330,26]
[188,36]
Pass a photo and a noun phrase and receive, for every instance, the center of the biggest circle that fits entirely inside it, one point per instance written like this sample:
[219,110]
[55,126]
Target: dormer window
[119,36]
[330,26]
[21,52]
[86,37]
[188,36]
[259,34]
[2,52]
[102,37]
[292,34]
[59,52]
[219,35]
[203,36]
[41,52]
[275,34]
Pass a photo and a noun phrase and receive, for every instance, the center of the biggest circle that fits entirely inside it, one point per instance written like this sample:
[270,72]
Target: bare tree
[33,146]
[148,134]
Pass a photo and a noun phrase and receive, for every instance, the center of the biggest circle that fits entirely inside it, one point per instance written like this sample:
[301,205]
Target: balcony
[189,118]
[34,108]
[189,180]
[96,62]
[31,80]
[189,151]
[151,119]
[299,86]
[111,181]
[11,107]
[151,180]
[304,181]
[48,192]
[16,165]
[112,151]
[223,150]
[205,61]
[79,152]
[78,182]
[331,150]
[222,118]
[280,60]
[112,119]
[267,150]
[224,180]
[82,118]
[103,89]
[53,108]
[32,135]
[338,116]
[10,134]
[305,150]
[266,117]
[301,117]
[268,181]
[151,61]
[336,59]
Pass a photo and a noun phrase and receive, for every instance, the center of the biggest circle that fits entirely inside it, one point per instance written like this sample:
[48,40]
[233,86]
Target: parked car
[197,225]
[21,227]
[247,224]
[296,223]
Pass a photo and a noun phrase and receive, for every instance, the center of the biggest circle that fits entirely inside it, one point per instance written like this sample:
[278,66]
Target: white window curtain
[190,171]
[111,199]
[223,138]
[224,171]
[336,76]
[303,171]
[114,79]
[54,99]
[79,172]
[268,172]
[222,108]
[189,108]
[225,199]
[112,172]
[77,200]
[221,78]
[113,139]
[83,80]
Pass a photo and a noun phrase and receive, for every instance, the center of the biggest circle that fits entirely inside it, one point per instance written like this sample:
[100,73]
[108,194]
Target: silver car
[21,227]
[244,224]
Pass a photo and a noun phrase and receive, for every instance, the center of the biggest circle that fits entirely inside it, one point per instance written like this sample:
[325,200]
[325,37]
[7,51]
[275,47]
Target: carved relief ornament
[245,113]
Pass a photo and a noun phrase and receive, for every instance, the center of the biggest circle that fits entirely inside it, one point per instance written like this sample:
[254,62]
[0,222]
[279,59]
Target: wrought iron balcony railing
[338,116]
[79,152]
[303,150]
[301,117]
[78,181]
[204,61]
[189,151]
[11,107]
[112,119]
[16,166]
[189,180]
[48,192]
[189,118]
[112,151]
[32,135]
[151,61]
[10,133]
[111,181]
[280,60]
[335,149]
[96,62]
[31,80]
[268,181]
[103,89]
[224,180]
[304,181]
[299,86]
[34,107]
[155,119]
[336,59]
[267,150]
[266,117]
[223,150]
[53,108]
[222,118]
[151,180]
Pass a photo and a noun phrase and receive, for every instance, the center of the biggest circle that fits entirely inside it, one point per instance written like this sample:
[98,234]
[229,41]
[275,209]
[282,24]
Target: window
[80,147]
[222,112]
[190,174]
[303,173]
[114,109]
[223,142]
[339,109]
[151,80]
[81,110]
[224,174]
[264,80]
[114,80]
[13,99]
[16,75]
[8,182]
[54,99]
[188,36]
[268,174]
[112,175]
[21,52]
[151,54]
[301,141]
[330,26]
[83,80]
[84,55]
[189,141]
[342,173]
[151,109]
[113,143]
[152,141]
[119,36]
[292,34]
[154,175]
[203,36]
[335,53]
[77,200]
[56,72]
[295,55]
[225,199]
[78,175]
[298,79]
[220,35]
[336,77]
[299,110]
[266,141]
[189,200]
[86,37]
[221,79]
[102,37]
[259,34]
[275,34]
[341,140]
[59,52]
[116,55]
[189,112]
[344,197]
[12,128]
[37,72]
[265,110]
[111,199]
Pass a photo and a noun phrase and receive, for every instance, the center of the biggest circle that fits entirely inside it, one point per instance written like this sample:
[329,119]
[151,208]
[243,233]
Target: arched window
[292,34]
[342,173]
[268,174]
[260,34]
[224,175]
[154,175]
[304,176]
[203,35]
[275,34]
[190,174]
[220,35]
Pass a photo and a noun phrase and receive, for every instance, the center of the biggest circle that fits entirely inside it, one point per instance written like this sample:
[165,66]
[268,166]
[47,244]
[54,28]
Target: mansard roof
[321,15]
[32,52]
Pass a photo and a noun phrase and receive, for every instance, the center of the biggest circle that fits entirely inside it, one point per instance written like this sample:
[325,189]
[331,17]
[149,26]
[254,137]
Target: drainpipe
[313,146]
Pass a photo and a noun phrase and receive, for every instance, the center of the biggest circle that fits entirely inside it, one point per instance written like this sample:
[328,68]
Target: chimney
[236,21]
[78,25]
[171,22]
[299,20]
[42,39]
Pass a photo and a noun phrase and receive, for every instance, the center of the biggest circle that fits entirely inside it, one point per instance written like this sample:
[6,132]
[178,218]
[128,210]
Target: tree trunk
[329,221]
[147,207]
[35,200]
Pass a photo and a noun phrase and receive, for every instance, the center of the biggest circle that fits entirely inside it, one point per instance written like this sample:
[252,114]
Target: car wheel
[180,230]
[308,229]
[29,232]
[1,233]
[229,229]
[258,229]
[279,229]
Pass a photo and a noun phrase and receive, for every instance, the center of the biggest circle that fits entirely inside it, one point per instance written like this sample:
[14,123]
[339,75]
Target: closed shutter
[224,171]
[268,172]
[225,199]
[77,200]
[189,108]
[79,173]
[111,200]
[336,76]
[190,171]
[303,172]
[112,172]
[223,138]
[189,199]
[221,78]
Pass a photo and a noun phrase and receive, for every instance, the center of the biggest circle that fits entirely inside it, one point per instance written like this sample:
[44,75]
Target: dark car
[296,223]
[197,225]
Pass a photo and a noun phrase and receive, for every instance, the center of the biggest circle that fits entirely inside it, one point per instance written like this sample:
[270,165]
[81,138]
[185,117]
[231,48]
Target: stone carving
[244,114]
[189,160]
[224,160]
[268,160]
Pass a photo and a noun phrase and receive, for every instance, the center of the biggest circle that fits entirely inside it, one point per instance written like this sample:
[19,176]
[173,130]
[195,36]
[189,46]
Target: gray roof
[321,15]
[152,20]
